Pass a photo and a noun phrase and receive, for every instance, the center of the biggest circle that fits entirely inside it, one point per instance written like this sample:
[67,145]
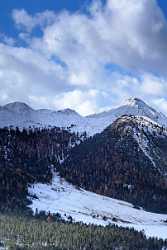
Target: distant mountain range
[21,115]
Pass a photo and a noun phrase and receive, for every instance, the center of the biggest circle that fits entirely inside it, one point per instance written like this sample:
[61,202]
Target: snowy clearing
[88,207]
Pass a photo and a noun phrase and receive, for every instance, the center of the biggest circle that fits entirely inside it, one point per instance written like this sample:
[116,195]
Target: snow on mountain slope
[90,208]
[18,107]
[21,115]
[132,106]
[144,128]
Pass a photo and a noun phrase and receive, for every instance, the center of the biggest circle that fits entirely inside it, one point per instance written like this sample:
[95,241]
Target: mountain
[26,176]
[132,106]
[21,115]
[127,161]
[123,160]
[18,107]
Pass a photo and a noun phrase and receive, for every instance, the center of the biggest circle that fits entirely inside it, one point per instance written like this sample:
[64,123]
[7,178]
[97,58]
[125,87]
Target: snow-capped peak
[17,107]
[134,101]
[68,112]
[20,114]
[137,107]
[131,106]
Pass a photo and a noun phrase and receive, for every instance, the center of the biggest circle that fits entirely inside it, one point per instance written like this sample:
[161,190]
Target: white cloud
[154,86]
[28,22]
[84,102]
[24,72]
[161,103]
[7,40]
[67,65]
[130,33]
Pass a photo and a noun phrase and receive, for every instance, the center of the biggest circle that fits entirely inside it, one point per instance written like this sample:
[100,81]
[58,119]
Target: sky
[86,55]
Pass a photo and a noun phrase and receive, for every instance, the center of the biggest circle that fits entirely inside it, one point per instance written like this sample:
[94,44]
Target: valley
[105,169]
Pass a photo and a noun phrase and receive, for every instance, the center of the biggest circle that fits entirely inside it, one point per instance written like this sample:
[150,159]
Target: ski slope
[91,208]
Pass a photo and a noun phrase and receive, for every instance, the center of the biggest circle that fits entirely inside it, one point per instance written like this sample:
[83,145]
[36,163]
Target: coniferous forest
[112,163]
[23,233]
[30,156]
[26,157]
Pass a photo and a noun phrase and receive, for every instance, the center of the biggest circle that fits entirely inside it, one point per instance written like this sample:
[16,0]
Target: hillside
[126,161]
[27,157]
[80,205]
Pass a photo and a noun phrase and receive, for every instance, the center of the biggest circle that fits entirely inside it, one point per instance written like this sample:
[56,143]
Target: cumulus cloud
[24,72]
[161,102]
[28,22]
[72,63]
[130,33]
[84,102]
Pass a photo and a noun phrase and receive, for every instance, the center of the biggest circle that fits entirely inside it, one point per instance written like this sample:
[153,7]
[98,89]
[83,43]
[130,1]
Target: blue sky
[33,7]
[86,55]
[163,5]
[6,7]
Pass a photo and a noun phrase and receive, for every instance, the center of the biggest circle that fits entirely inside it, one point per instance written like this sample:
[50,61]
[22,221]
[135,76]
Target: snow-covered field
[89,207]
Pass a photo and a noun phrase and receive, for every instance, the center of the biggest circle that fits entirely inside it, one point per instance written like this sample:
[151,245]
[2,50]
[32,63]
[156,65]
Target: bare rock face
[128,161]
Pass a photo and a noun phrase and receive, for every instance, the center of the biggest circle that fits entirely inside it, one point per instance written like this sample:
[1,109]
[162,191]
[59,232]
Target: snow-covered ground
[89,207]
[21,115]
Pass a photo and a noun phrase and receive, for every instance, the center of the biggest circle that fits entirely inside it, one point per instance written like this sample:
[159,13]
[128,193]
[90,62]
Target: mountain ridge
[22,115]
[134,106]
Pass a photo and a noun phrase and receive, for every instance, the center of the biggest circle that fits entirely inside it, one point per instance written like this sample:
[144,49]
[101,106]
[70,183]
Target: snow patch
[143,144]
[91,208]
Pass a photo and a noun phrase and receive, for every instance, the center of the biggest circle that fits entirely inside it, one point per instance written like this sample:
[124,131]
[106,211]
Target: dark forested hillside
[127,161]
[26,157]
